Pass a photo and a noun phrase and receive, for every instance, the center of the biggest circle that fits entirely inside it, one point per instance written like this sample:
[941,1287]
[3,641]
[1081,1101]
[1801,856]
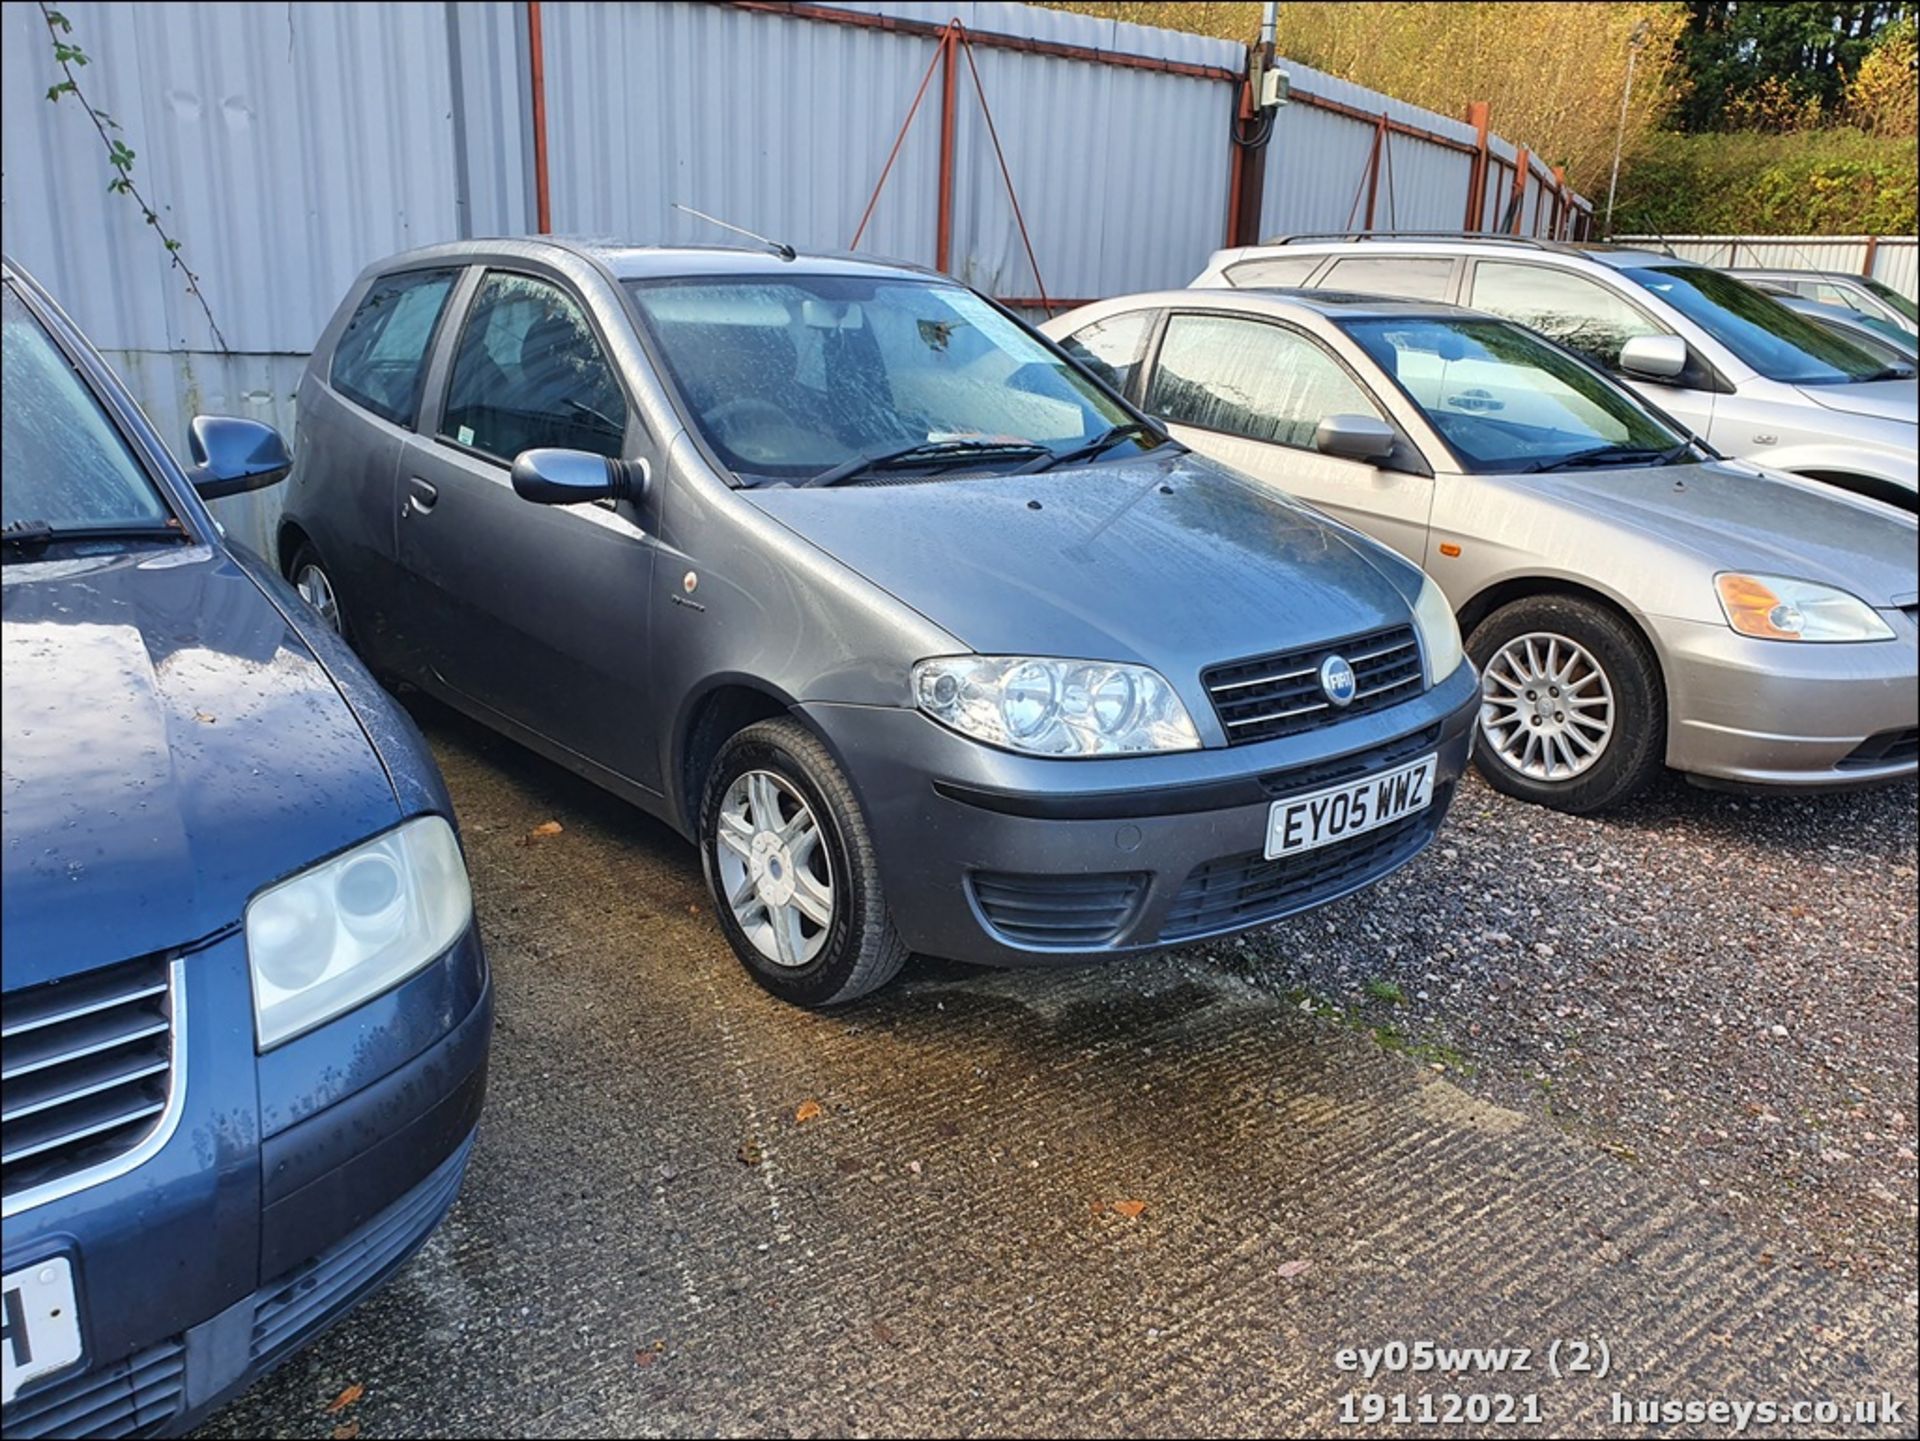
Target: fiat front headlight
[1055,707]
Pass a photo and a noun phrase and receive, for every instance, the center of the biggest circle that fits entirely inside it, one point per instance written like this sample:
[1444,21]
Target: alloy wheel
[317,591]
[1546,707]
[774,872]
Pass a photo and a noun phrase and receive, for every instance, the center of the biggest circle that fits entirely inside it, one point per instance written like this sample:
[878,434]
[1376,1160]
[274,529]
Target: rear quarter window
[380,360]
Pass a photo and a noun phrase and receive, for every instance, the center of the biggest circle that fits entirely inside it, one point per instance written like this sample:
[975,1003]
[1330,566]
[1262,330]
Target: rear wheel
[316,588]
[791,866]
[1572,709]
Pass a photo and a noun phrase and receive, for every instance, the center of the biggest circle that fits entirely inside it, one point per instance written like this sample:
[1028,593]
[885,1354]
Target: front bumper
[274,1206]
[1013,860]
[1758,713]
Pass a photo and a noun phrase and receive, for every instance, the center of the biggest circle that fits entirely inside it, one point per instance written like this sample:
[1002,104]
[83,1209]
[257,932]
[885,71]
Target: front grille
[129,1398]
[291,1308]
[1249,889]
[87,1071]
[1351,767]
[1886,749]
[1062,910]
[1279,694]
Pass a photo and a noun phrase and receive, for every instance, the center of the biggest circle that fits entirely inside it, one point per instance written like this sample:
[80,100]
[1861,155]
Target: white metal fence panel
[1896,258]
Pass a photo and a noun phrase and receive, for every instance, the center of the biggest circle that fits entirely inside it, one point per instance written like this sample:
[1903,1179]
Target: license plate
[1319,818]
[42,1325]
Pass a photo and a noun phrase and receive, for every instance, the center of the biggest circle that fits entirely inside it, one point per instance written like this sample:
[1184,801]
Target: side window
[380,360]
[1277,274]
[1581,314]
[1839,295]
[1250,379]
[1112,348]
[1406,276]
[530,373]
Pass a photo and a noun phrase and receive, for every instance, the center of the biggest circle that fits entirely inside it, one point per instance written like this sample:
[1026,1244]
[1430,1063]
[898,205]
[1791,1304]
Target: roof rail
[1532,241]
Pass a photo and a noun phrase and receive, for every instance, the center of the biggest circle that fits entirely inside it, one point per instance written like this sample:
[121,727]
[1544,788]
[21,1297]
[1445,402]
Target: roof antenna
[778,247]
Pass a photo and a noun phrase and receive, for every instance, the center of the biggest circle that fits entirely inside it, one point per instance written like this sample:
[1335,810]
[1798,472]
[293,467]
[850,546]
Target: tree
[1782,63]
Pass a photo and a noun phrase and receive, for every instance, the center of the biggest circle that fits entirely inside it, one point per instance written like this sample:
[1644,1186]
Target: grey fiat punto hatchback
[927,637]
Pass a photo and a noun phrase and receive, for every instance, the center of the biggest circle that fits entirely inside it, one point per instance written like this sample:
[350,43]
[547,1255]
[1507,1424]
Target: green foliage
[1799,53]
[1822,182]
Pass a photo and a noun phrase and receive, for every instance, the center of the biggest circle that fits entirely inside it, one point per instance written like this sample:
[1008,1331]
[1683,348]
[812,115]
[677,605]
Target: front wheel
[316,588]
[1572,708]
[790,863]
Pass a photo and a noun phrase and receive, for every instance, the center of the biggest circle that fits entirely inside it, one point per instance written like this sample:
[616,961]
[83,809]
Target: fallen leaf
[645,1358]
[547,828]
[1129,1209]
[203,717]
[346,1398]
[749,1152]
[1290,1269]
[347,1432]
[806,1111]
[883,1333]
[849,1165]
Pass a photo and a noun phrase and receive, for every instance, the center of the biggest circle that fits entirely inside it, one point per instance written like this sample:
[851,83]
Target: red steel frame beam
[537,78]
[1479,116]
[943,220]
[986,39]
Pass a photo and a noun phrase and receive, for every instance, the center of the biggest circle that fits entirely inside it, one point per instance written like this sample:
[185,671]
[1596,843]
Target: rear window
[1280,273]
[1405,276]
[380,362]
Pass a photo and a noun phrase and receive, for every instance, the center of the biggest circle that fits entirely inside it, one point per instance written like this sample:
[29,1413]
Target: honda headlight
[1439,632]
[349,928]
[1771,607]
[1054,707]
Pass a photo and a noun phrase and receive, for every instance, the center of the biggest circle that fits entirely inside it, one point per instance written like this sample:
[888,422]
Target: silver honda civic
[1632,599]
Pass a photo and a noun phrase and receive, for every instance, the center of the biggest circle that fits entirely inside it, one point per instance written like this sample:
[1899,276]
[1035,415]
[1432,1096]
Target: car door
[1251,393]
[1583,314]
[533,615]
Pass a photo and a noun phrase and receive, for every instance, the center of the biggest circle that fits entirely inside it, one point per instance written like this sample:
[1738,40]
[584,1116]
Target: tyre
[316,588]
[790,863]
[1573,714]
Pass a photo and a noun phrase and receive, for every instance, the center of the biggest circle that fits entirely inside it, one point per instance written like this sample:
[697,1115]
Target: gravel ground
[1718,988]
[1157,1197]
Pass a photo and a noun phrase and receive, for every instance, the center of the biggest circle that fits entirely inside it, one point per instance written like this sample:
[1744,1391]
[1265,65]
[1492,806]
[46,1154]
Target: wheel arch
[1504,592]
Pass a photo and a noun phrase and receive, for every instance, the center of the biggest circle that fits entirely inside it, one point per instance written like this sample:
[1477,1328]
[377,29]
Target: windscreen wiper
[21,535]
[1106,440]
[932,450]
[1604,454]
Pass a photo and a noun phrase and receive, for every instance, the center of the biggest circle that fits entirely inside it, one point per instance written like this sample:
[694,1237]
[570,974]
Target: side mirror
[1658,357]
[1355,437]
[232,456]
[568,477]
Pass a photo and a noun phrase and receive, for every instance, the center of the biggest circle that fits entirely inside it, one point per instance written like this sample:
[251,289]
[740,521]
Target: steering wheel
[765,411]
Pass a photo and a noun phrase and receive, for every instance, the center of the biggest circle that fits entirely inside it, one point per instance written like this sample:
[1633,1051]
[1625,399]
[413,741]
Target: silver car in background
[1631,599]
[1731,364]
[1861,294]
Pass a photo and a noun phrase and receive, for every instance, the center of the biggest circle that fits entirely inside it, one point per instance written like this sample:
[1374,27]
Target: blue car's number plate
[42,1327]
[1319,818]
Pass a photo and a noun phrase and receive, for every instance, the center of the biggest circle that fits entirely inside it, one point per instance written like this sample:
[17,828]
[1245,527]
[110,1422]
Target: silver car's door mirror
[1354,437]
[232,456]
[1660,357]
[568,477]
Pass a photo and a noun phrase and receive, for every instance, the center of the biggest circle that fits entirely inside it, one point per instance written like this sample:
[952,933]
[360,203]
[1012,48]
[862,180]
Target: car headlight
[1054,707]
[347,929]
[1438,630]
[1771,607]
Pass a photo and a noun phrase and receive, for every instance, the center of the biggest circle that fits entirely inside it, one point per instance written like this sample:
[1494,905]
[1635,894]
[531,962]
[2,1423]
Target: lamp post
[1634,42]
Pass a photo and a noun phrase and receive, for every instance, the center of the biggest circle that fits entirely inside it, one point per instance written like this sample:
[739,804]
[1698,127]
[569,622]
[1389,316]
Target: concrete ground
[1152,1198]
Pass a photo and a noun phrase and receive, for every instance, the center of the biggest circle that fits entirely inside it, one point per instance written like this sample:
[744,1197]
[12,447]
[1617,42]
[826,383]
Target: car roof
[1281,300]
[1784,271]
[1449,243]
[626,260]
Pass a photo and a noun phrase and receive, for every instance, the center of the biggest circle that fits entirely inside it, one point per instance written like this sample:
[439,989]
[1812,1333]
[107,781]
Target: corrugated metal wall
[1896,258]
[290,145]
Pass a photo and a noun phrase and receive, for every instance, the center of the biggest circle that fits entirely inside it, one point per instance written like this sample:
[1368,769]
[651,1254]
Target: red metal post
[537,66]
[1517,201]
[1556,228]
[1373,167]
[1873,249]
[1479,114]
[943,221]
[1236,163]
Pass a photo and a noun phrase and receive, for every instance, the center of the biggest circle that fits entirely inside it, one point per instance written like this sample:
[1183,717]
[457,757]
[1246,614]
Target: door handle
[421,495]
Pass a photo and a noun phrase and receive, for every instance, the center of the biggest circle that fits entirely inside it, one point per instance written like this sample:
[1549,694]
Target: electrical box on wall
[1271,92]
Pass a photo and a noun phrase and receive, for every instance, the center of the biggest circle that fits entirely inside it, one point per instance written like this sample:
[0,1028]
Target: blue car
[246,1011]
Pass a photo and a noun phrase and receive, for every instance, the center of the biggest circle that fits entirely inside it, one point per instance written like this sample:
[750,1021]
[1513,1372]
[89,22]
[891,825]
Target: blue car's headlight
[345,930]
[1054,707]
[1439,632]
